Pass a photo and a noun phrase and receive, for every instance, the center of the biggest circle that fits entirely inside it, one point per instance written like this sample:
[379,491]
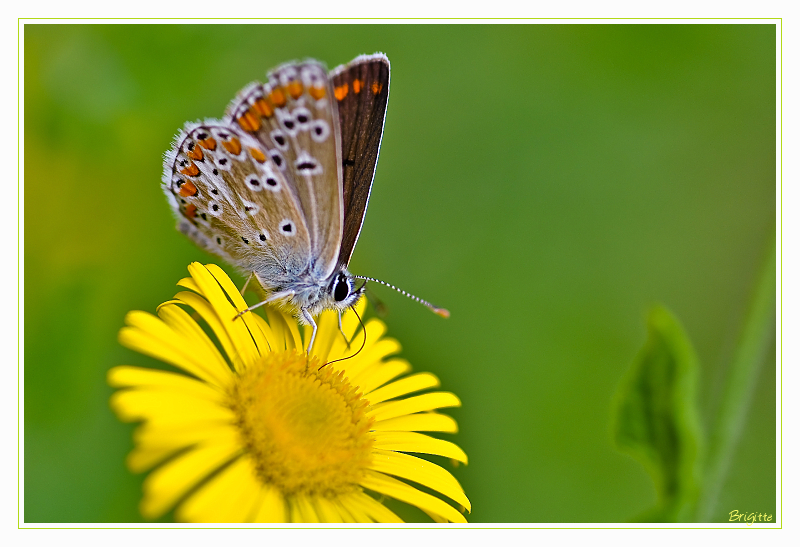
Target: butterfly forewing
[362,92]
[294,119]
[233,200]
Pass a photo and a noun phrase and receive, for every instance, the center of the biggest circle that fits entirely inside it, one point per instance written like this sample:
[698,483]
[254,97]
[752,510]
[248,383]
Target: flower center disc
[305,427]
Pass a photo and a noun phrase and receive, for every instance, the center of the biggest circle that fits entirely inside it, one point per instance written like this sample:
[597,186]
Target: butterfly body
[279,187]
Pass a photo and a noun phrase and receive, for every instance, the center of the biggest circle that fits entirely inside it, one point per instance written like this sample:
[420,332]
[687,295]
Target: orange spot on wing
[258,155]
[376,88]
[208,144]
[341,92]
[195,153]
[188,189]
[357,85]
[277,97]
[191,171]
[233,146]
[263,107]
[317,92]
[295,89]
[190,211]
[250,121]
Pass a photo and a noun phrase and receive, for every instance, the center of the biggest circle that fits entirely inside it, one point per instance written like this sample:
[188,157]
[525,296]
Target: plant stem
[754,343]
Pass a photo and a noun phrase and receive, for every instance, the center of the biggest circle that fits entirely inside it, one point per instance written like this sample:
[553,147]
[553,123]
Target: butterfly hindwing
[232,199]
[294,119]
[361,89]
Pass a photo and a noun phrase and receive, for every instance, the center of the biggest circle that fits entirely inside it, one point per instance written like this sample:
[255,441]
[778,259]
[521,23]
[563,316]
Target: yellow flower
[262,432]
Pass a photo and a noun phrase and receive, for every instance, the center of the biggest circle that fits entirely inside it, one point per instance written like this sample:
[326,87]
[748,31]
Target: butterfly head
[342,290]
[339,292]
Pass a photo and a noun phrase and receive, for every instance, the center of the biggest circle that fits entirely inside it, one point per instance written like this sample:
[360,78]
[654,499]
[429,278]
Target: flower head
[255,430]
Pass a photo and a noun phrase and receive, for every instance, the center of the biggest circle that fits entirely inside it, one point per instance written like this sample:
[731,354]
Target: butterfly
[279,187]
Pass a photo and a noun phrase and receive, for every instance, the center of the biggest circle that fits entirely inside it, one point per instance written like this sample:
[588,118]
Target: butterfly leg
[272,298]
[247,282]
[313,324]
[346,341]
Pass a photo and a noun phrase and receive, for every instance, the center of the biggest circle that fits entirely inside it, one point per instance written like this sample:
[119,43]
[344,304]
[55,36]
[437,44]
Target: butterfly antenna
[435,309]
[363,343]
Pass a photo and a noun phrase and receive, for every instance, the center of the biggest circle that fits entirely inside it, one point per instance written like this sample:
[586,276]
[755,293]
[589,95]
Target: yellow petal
[342,510]
[209,315]
[128,376]
[169,438]
[201,345]
[338,348]
[426,421]
[365,358]
[377,376]
[189,283]
[274,343]
[372,355]
[155,443]
[420,471]
[375,330]
[294,511]
[375,510]
[193,417]
[327,329]
[327,511]
[277,327]
[436,518]
[407,441]
[401,491]
[227,285]
[285,328]
[302,510]
[165,486]
[412,405]
[227,497]
[145,457]
[140,404]
[238,301]
[240,336]
[415,382]
[350,324]
[356,511]
[149,335]
[270,508]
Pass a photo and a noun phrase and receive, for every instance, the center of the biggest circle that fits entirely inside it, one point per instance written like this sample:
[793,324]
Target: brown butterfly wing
[361,89]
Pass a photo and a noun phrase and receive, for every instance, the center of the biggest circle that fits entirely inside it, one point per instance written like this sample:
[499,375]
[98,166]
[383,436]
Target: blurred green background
[547,184]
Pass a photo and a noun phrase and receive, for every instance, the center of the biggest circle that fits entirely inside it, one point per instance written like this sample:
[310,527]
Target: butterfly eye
[341,288]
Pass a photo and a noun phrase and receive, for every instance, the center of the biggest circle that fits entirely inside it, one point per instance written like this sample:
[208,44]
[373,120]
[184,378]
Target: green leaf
[656,418]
